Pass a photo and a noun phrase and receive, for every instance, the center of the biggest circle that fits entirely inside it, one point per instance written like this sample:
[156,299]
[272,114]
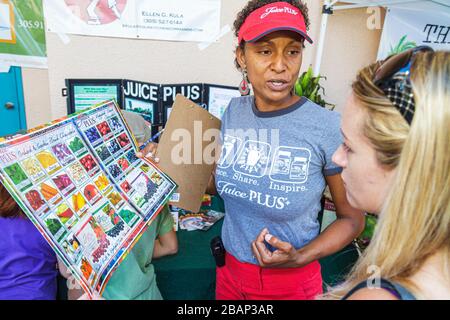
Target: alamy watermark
[205,146]
[374,20]
[374,278]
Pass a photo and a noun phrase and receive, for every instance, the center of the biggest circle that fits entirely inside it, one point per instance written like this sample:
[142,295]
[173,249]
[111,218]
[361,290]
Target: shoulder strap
[397,290]
[405,294]
[359,286]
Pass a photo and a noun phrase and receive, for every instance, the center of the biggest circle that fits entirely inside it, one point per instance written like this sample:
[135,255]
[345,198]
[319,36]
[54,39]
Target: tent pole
[326,11]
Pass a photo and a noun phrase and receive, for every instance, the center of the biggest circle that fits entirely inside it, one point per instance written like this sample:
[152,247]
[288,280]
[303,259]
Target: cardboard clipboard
[181,149]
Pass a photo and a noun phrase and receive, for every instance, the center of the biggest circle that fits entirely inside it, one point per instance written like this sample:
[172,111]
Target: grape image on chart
[97,12]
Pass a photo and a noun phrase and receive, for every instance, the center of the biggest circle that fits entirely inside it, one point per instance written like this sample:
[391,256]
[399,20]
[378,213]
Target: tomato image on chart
[96,12]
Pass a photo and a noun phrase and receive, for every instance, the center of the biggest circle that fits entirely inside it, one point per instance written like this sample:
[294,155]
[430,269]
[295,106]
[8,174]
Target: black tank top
[396,289]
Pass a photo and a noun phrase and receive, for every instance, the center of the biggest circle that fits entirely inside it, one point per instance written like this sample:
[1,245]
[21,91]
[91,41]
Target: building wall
[349,46]
[37,96]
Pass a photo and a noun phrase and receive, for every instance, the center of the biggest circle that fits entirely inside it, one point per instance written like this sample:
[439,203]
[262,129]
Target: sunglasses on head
[393,77]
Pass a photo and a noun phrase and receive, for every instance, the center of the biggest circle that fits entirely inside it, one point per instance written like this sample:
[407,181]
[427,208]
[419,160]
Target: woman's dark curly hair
[256,4]
[8,206]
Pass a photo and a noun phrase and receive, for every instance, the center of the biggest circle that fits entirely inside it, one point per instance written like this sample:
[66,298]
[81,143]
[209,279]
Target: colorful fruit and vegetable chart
[80,183]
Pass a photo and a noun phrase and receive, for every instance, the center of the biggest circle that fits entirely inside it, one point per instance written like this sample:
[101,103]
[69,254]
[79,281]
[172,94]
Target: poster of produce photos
[81,184]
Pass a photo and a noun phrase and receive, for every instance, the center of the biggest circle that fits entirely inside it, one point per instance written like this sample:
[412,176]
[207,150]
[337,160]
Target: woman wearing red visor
[275,165]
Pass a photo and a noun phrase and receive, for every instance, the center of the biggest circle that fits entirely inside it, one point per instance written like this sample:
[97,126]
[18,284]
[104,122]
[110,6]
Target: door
[12,114]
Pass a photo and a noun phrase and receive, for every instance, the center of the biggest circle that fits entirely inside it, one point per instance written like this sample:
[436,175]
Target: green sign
[88,96]
[22,33]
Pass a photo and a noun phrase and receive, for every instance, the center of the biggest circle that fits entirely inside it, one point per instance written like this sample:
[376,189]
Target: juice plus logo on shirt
[253,163]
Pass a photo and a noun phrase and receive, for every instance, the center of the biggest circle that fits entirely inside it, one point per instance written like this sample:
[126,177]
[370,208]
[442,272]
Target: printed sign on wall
[405,28]
[174,20]
[22,34]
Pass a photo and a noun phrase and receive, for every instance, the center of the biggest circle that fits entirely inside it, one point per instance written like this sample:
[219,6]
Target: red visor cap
[273,17]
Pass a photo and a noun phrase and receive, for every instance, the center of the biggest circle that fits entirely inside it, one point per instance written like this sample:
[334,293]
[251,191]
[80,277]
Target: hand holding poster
[82,186]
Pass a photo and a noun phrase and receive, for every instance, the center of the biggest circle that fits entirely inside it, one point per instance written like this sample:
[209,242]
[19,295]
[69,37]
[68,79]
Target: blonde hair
[414,223]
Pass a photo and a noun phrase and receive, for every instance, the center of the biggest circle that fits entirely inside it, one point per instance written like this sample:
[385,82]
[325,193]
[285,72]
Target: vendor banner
[405,28]
[22,34]
[174,20]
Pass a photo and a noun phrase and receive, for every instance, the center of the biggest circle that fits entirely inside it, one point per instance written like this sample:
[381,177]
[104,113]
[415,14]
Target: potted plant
[402,45]
[309,86]
[363,240]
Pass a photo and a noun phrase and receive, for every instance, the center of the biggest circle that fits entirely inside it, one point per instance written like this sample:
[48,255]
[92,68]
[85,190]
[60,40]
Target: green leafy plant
[363,240]
[309,86]
[402,45]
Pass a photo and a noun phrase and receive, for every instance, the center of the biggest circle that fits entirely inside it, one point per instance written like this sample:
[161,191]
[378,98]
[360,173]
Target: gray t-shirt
[272,172]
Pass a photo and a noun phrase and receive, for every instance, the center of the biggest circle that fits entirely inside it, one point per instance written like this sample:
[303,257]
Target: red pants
[244,281]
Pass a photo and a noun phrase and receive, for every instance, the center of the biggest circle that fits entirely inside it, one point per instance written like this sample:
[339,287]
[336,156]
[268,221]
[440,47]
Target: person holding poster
[135,277]
[275,165]
[396,164]
[28,268]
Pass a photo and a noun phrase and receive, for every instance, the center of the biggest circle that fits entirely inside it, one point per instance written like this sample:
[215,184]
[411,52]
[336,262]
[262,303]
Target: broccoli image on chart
[93,17]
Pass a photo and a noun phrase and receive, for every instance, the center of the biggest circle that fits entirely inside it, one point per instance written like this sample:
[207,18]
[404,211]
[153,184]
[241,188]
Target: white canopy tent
[333,5]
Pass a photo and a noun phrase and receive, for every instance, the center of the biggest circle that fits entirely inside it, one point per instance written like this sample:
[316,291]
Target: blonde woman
[396,160]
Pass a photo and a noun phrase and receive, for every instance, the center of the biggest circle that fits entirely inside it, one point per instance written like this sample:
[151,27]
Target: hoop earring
[244,86]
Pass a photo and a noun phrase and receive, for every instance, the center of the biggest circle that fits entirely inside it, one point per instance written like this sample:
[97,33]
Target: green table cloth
[191,273]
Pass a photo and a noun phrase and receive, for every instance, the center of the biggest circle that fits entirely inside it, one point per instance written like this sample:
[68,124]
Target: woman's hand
[149,152]
[285,255]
